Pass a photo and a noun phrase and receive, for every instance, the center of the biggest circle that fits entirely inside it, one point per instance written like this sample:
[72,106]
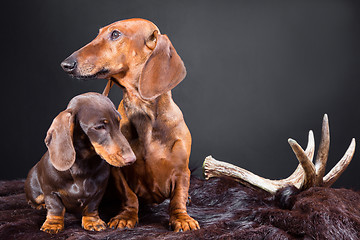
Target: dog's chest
[85,185]
[83,188]
[153,170]
[79,193]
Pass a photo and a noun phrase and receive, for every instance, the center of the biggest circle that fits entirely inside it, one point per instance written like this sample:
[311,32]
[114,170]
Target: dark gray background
[259,72]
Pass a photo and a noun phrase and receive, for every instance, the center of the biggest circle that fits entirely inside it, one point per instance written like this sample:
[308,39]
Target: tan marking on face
[111,156]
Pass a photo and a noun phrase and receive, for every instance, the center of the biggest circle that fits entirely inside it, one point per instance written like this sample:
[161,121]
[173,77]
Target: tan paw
[93,223]
[53,224]
[183,222]
[123,220]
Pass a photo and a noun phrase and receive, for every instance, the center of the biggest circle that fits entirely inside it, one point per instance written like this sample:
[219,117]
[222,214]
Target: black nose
[69,64]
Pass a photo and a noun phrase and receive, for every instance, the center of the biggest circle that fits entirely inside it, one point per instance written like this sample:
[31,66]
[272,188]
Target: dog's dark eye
[99,127]
[115,35]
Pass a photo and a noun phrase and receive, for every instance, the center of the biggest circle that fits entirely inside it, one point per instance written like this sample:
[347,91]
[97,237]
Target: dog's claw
[52,228]
[53,224]
[93,223]
[183,222]
[123,221]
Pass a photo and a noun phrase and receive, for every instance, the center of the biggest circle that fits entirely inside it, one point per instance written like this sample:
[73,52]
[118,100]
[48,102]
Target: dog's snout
[69,64]
[129,158]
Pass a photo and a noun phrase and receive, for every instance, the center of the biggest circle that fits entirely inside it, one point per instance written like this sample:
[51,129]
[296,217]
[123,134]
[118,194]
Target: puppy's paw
[53,224]
[93,223]
[124,220]
[181,222]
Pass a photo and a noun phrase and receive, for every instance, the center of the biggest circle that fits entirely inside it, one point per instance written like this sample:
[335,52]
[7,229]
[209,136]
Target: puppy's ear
[59,141]
[163,70]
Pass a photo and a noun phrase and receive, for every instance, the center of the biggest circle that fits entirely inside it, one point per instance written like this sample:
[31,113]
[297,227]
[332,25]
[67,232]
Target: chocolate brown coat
[72,175]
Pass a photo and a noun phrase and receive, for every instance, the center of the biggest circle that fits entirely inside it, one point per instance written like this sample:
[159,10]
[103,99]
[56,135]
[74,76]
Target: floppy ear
[59,141]
[163,70]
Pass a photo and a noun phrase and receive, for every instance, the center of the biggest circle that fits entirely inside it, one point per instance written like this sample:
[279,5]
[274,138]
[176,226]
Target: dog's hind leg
[33,192]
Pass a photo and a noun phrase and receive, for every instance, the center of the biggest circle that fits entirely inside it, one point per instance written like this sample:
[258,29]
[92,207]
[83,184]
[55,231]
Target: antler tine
[298,175]
[340,167]
[215,168]
[307,165]
[323,152]
[310,148]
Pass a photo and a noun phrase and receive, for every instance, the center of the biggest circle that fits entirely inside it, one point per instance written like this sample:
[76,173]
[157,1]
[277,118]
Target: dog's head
[134,54]
[93,122]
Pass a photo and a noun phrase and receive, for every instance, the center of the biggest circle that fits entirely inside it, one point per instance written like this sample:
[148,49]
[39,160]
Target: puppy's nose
[129,158]
[69,64]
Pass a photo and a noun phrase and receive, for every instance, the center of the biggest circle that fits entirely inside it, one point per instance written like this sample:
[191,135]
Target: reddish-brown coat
[146,65]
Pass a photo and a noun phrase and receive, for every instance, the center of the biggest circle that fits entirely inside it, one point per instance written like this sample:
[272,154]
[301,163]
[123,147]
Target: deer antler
[306,174]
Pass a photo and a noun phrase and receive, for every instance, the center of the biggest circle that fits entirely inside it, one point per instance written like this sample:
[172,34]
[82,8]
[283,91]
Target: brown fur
[224,208]
[72,175]
[146,65]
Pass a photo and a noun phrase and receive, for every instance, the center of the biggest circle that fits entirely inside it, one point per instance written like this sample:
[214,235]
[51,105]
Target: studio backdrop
[258,72]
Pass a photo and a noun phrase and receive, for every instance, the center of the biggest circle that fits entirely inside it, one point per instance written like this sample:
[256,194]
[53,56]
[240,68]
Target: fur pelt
[224,208]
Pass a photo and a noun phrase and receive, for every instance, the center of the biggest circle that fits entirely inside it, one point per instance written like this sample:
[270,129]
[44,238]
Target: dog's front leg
[54,222]
[179,219]
[90,219]
[128,216]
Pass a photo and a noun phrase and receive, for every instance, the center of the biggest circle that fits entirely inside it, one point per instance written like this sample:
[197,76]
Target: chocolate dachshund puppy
[72,174]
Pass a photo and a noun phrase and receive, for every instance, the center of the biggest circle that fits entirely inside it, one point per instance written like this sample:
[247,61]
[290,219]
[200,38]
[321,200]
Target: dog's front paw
[181,222]
[93,223]
[53,224]
[125,219]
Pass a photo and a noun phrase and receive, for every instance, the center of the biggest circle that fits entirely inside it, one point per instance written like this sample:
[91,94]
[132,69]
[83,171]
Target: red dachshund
[133,54]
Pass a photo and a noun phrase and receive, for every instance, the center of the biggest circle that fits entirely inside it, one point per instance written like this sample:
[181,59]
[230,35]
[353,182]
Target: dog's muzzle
[69,64]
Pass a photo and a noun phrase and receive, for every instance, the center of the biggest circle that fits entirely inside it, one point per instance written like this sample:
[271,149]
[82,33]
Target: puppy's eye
[115,35]
[102,125]
[99,127]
